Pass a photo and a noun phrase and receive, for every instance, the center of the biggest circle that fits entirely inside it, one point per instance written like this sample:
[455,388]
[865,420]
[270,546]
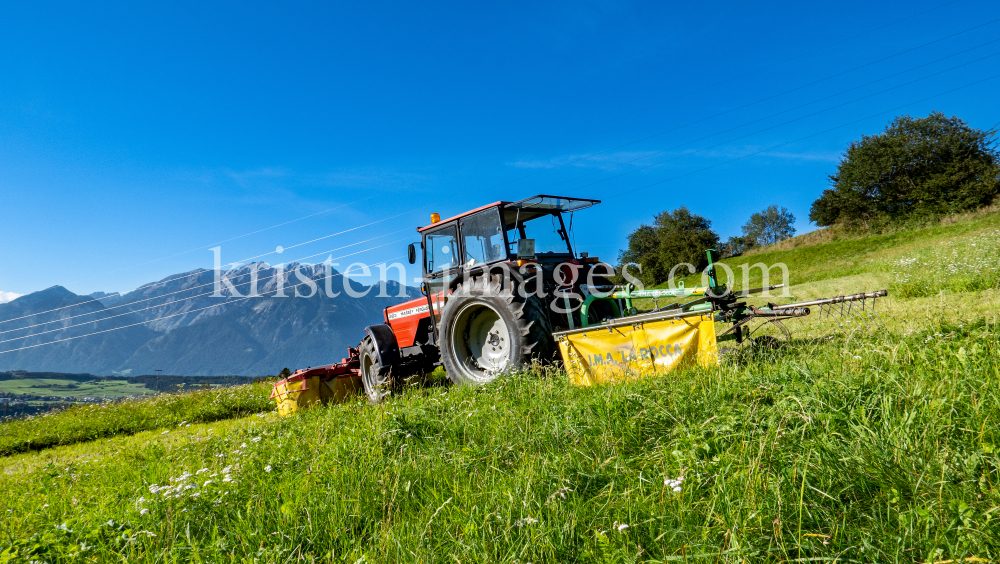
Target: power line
[153,284]
[617,194]
[181,313]
[237,237]
[760,119]
[760,69]
[664,102]
[60,320]
[777,125]
[810,135]
[189,275]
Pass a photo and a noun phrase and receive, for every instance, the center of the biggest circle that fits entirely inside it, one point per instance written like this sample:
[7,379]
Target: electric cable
[617,194]
[190,274]
[101,311]
[177,301]
[572,161]
[777,125]
[153,284]
[237,237]
[180,313]
[760,69]
[897,108]
[771,115]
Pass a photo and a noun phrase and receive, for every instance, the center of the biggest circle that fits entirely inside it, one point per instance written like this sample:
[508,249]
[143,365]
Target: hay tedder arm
[636,343]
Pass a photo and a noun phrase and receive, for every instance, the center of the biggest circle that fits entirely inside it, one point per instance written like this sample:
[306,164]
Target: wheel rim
[376,385]
[481,342]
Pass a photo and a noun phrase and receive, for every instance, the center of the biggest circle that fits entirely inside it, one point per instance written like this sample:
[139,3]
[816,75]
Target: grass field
[952,257]
[853,446]
[81,423]
[69,388]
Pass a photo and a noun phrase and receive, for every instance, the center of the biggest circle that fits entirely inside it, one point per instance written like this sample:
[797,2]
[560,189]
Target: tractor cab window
[482,237]
[547,229]
[441,249]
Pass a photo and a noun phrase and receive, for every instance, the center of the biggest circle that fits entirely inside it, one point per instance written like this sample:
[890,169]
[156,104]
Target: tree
[736,246]
[923,167]
[285,373]
[684,237]
[644,250]
[675,237]
[769,226]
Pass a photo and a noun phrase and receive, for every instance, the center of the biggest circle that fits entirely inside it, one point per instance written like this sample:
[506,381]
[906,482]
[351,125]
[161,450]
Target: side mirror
[526,249]
[411,253]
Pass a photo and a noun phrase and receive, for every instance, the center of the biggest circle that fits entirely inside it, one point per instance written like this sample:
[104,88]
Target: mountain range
[176,324]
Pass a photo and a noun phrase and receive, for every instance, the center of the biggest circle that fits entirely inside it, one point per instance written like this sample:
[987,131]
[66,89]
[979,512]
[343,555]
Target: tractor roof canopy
[535,206]
[527,208]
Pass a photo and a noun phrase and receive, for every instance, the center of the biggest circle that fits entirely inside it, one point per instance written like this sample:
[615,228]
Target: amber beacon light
[435,217]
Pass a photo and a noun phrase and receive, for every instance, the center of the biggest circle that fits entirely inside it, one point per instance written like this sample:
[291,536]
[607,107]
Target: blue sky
[133,137]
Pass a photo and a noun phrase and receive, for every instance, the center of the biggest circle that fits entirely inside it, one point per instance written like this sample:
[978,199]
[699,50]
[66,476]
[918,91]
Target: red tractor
[499,280]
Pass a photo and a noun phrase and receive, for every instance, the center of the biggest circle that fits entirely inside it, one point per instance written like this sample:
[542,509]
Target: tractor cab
[535,229]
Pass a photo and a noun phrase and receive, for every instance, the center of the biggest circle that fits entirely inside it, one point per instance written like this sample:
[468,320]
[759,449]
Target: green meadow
[71,389]
[850,443]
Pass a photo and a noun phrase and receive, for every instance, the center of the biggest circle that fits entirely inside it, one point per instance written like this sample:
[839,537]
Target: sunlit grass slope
[874,449]
[92,421]
[851,444]
[953,257]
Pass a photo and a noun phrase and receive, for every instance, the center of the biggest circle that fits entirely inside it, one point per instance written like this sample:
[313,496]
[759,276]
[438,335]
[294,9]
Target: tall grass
[871,449]
[959,265]
[853,447]
[94,421]
[885,255]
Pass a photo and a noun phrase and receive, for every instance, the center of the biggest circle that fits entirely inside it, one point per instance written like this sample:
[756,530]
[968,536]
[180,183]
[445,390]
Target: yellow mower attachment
[637,346]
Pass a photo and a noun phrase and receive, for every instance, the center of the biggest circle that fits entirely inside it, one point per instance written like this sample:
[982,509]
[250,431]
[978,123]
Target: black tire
[600,310]
[487,330]
[377,382]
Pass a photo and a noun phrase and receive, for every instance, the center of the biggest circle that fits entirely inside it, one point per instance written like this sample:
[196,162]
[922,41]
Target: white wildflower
[674,483]
[267,468]
[526,521]
[622,527]
[255,440]
[561,493]
[207,482]
[144,512]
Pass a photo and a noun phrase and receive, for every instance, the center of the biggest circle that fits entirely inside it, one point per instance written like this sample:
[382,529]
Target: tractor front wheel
[377,382]
[487,330]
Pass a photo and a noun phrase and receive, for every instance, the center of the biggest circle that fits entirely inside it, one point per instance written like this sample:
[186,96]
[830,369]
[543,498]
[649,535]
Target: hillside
[175,325]
[958,255]
[847,444]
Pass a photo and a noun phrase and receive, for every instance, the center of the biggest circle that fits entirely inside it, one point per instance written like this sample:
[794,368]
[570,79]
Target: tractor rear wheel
[487,330]
[377,383]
